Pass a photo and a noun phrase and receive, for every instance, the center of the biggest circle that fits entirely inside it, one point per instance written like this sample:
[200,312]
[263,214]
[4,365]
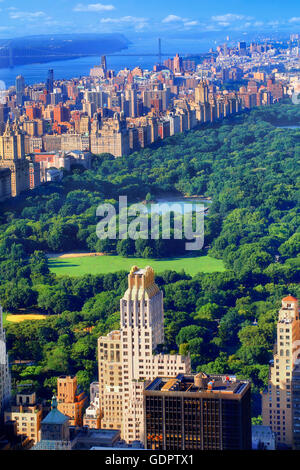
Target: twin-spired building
[127,357]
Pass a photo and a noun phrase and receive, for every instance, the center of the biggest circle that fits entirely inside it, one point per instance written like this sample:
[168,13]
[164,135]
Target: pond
[178,204]
[289,127]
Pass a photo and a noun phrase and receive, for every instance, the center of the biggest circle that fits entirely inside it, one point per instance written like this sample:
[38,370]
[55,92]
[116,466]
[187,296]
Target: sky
[20,18]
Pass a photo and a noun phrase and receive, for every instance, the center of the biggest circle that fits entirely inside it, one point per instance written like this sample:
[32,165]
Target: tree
[190,332]
[126,247]
[62,237]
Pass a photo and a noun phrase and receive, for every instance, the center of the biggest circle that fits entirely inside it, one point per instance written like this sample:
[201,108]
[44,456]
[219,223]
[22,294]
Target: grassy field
[107,264]
[9,318]
[18,318]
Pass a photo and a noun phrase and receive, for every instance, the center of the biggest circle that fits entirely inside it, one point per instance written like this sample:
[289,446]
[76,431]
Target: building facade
[5,379]
[197,412]
[277,400]
[70,401]
[5,183]
[12,156]
[127,357]
[27,414]
[55,432]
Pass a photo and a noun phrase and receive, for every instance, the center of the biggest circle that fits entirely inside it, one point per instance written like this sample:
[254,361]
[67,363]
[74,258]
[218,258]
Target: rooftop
[198,383]
[55,416]
[290,298]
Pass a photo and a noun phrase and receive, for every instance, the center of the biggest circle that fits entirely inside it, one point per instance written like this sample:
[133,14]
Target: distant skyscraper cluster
[120,113]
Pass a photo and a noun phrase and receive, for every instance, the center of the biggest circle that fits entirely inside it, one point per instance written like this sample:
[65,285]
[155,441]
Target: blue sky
[18,18]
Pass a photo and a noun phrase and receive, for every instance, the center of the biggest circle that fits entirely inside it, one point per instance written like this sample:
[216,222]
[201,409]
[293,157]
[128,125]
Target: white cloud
[223,23]
[93,7]
[124,19]
[191,23]
[295,19]
[229,18]
[26,15]
[172,19]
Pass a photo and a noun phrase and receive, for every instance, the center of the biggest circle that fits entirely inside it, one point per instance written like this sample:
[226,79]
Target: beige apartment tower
[12,156]
[277,400]
[122,376]
[110,379]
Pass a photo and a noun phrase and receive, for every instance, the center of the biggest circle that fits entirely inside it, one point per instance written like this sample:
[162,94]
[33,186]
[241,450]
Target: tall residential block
[5,379]
[197,412]
[127,357]
[277,400]
[12,156]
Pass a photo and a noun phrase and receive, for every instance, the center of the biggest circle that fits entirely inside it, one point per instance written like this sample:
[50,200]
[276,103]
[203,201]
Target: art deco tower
[122,375]
[277,400]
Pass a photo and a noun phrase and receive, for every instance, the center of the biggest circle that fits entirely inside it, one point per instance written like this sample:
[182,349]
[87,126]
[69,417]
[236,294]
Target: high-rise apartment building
[112,137]
[296,405]
[5,380]
[12,156]
[127,357]
[197,412]
[4,113]
[201,93]
[5,183]
[12,143]
[277,400]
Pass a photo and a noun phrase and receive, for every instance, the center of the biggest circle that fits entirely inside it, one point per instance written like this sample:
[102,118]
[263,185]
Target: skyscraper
[50,79]
[133,102]
[20,87]
[277,400]
[127,359]
[5,380]
[103,63]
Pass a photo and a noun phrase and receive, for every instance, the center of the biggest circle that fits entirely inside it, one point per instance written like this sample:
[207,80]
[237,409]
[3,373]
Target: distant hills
[50,47]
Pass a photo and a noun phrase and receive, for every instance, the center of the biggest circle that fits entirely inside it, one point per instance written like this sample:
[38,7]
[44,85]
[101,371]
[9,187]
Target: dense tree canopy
[226,321]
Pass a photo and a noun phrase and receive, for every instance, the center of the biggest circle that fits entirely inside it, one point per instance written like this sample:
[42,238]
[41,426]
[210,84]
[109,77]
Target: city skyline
[138,17]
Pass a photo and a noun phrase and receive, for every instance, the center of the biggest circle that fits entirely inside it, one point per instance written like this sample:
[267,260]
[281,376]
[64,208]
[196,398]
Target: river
[66,69]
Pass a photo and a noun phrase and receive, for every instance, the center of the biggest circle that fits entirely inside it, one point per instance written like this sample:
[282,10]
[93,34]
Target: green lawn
[107,264]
